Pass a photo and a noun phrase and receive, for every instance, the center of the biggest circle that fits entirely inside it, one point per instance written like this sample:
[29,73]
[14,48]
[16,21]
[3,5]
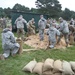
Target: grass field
[14,65]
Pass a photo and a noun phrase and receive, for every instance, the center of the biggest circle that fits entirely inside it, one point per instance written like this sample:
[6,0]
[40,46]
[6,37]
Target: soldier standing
[72,22]
[48,23]
[4,22]
[42,25]
[64,29]
[20,26]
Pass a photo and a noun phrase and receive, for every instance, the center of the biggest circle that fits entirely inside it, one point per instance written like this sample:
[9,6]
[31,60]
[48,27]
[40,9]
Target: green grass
[27,47]
[14,65]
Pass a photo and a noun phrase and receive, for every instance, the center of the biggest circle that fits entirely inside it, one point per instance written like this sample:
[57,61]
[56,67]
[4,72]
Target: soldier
[48,23]
[56,24]
[1,22]
[72,22]
[71,34]
[9,44]
[64,29]
[4,23]
[52,32]
[42,25]
[20,26]
[31,27]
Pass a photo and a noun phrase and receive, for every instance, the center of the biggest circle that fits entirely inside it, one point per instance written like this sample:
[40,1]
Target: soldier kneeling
[9,44]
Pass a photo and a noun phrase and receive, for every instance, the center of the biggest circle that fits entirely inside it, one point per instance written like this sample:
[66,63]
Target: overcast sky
[31,3]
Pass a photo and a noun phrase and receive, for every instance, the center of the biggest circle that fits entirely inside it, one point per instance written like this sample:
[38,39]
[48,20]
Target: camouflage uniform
[72,22]
[64,29]
[20,26]
[4,23]
[48,23]
[52,32]
[42,25]
[9,44]
[31,27]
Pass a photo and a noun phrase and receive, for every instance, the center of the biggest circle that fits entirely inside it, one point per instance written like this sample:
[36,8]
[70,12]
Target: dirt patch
[34,41]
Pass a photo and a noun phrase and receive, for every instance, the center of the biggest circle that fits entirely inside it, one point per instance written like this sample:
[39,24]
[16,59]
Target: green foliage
[33,10]
[19,7]
[50,7]
[2,13]
[7,12]
[73,14]
[27,47]
[66,14]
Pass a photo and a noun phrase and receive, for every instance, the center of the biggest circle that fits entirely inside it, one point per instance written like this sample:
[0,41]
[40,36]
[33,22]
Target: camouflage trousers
[41,34]
[31,31]
[66,36]
[11,48]
[20,32]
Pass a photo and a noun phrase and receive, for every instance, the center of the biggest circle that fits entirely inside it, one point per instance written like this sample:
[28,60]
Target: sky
[31,3]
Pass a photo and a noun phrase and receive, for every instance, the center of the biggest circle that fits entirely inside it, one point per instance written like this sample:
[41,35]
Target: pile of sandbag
[34,41]
[50,67]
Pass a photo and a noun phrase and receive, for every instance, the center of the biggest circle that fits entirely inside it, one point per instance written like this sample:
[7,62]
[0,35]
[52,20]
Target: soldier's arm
[57,32]
[61,28]
[47,32]
[24,21]
[32,25]
[16,21]
[39,23]
[12,37]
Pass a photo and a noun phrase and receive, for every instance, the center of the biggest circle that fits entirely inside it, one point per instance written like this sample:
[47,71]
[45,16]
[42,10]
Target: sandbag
[38,68]
[57,73]
[62,42]
[57,66]
[48,64]
[49,72]
[20,42]
[72,63]
[29,67]
[71,41]
[67,69]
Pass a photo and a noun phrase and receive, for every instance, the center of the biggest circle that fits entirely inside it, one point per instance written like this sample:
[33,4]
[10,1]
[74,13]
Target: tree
[73,14]
[7,12]
[2,13]
[50,7]
[19,7]
[33,10]
[66,14]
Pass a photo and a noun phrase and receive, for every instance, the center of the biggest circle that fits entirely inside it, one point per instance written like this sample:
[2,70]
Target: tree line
[49,7]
